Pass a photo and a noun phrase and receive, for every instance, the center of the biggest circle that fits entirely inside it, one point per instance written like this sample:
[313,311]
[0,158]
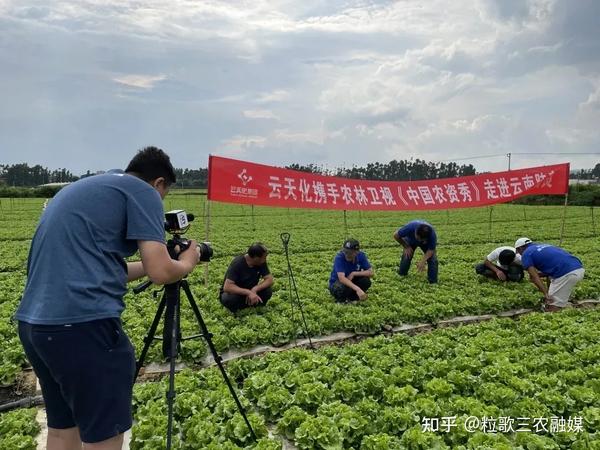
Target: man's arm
[360,273]
[266,282]
[534,277]
[160,267]
[400,239]
[421,264]
[347,282]
[252,298]
[135,270]
[490,265]
[408,250]
[231,288]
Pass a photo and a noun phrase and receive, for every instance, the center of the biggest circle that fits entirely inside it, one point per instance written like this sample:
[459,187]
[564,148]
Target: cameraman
[241,287]
[69,316]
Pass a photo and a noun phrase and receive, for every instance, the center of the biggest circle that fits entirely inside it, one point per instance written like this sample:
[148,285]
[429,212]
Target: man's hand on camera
[191,254]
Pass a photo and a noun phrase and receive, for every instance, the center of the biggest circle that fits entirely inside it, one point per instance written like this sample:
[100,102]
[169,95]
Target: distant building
[54,184]
[573,181]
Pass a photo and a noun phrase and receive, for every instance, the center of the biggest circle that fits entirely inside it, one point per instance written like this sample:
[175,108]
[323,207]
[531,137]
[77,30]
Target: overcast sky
[83,84]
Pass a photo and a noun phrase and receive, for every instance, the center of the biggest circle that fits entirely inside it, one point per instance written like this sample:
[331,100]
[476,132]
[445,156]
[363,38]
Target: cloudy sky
[83,84]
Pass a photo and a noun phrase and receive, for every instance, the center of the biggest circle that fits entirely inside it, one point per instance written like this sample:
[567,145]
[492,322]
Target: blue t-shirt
[341,264]
[76,271]
[550,260]
[407,232]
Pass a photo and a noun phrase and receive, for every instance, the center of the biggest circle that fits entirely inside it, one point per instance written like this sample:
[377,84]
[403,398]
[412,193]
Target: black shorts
[86,373]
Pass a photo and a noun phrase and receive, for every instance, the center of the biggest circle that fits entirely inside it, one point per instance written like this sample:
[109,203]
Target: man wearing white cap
[563,269]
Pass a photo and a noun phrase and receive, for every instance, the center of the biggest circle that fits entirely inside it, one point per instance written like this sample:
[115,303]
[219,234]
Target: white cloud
[278,95]
[139,81]
[259,114]
[287,81]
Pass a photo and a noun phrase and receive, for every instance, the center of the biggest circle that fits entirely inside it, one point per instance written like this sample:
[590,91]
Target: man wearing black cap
[351,274]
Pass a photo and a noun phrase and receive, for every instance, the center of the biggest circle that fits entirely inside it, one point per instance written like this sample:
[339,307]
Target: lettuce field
[526,383]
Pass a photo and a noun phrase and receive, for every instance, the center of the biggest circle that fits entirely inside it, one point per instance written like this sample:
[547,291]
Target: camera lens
[206,251]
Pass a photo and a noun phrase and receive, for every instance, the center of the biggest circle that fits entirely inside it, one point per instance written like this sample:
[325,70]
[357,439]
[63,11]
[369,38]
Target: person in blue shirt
[562,269]
[351,274]
[418,233]
[69,315]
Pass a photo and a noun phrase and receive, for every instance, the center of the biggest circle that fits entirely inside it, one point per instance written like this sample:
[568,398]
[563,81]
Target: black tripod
[285,239]
[170,304]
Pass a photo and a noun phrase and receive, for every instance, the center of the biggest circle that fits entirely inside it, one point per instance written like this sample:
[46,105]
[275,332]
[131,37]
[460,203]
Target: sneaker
[552,308]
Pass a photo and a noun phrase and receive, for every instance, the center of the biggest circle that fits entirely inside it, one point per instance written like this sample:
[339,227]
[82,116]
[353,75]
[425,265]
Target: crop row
[392,300]
[380,393]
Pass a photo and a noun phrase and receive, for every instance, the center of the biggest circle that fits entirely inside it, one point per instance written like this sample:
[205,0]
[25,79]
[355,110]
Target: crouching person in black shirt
[242,286]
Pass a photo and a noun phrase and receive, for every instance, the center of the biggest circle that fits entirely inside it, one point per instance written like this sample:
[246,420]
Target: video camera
[177,222]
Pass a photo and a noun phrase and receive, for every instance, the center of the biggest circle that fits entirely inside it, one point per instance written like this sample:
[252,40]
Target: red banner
[234,181]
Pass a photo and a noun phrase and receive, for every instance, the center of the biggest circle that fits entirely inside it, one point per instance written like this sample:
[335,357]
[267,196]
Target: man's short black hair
[423,231]
[506,257]
[151,163]
[257,250]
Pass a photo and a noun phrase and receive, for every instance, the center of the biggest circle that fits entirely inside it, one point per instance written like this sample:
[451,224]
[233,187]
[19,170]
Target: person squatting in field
[503,263]
[563,269]
[351,274]
[242,286]
[69,315]
[418,233]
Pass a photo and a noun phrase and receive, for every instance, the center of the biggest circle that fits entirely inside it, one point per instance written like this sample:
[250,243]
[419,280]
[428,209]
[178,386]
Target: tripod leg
[174,336]
[208,337]
[150,336]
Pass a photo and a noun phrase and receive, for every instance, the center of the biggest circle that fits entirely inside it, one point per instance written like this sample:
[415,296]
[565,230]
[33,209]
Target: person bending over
[418,233]
[563,270]
[503,263]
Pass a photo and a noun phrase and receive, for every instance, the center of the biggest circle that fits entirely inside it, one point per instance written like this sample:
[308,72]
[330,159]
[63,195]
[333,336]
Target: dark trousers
[234,302]
[513,273]
[343,293]
[432,265]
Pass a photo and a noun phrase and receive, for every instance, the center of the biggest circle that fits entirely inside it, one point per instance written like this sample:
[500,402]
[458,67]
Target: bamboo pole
[345,225]
[562,226]
[490,224]
[593,220]
[206,237]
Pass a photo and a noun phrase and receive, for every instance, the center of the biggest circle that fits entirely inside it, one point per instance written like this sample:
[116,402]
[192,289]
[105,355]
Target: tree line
[22,175]
[586,174]
[403,170]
